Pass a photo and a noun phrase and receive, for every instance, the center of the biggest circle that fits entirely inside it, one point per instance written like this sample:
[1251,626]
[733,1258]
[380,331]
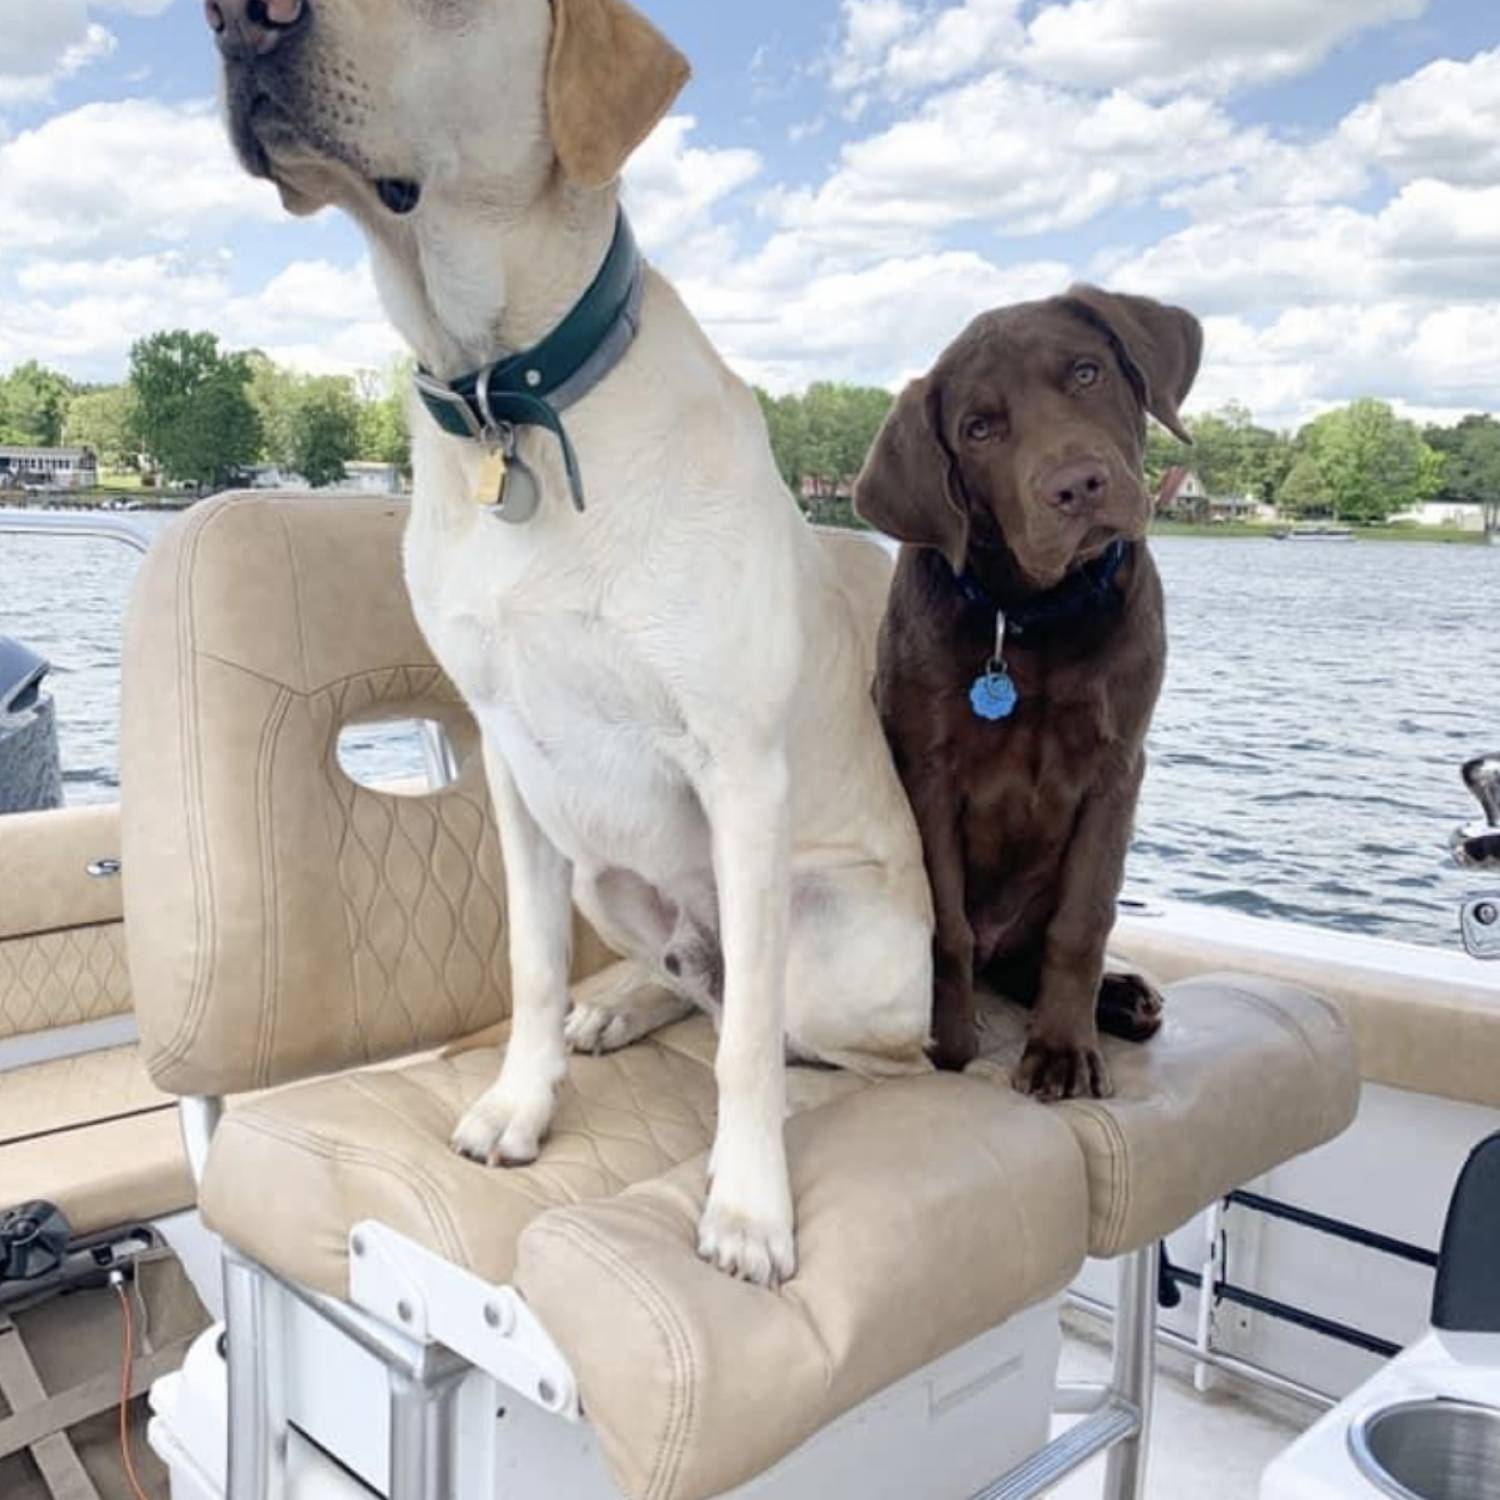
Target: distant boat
[1316,531]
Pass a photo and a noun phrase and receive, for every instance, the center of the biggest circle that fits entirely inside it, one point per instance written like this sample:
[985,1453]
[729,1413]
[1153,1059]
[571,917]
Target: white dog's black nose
[251,28]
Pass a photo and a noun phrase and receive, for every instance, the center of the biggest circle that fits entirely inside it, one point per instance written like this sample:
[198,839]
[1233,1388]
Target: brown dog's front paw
[1062,1069]
[954,1046]
[955,1026]
[1130,1006]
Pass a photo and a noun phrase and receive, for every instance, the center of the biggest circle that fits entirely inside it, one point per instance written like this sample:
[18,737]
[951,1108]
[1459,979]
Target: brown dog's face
[1030,430]
[383,105]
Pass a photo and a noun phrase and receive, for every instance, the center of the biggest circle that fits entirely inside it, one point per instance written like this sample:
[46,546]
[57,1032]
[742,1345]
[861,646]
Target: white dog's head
[382,105]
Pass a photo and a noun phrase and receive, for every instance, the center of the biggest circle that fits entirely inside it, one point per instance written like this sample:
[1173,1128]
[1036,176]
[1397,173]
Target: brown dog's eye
[1086,373]
[979,429]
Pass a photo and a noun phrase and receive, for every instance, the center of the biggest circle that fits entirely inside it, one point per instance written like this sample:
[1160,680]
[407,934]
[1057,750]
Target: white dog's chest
[587,729]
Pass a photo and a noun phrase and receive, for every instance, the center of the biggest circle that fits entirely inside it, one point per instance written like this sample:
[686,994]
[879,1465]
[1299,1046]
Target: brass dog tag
[490,477]
[505,486]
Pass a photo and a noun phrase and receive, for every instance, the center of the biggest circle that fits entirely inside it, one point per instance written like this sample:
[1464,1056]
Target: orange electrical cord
[125,1363]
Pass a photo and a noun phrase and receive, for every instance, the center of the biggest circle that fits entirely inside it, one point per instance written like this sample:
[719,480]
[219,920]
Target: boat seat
[295,932]
[87,1131]
[93,1135]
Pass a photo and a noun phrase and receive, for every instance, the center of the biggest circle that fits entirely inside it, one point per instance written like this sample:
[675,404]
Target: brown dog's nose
[1076,485]
[251,28]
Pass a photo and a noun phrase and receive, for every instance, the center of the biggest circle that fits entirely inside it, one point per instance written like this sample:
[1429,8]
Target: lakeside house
[360,478]
[1184,497]
[1452,515]
[26,468]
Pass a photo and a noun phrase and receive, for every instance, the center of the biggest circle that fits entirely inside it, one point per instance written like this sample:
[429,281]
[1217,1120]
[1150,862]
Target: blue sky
[845,182]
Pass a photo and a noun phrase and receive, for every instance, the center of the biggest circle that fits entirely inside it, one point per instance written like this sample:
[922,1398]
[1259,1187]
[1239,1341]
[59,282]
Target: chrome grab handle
[1478,844]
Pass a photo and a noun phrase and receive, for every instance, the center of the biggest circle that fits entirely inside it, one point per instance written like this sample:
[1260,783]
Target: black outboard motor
[30,768]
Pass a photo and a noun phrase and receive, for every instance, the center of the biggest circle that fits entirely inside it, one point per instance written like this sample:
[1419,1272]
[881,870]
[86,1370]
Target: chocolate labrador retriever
[1022,653]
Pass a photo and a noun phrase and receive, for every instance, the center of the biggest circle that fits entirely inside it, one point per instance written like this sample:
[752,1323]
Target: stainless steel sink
[1430,1450]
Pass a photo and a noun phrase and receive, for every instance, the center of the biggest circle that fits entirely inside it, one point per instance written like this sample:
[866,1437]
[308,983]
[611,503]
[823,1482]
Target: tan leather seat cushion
[292,1171]
[94,1136]
[1245,1074]
[928,1210]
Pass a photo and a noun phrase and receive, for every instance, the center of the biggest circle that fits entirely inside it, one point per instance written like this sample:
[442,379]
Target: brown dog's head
[1029,432]
[380,105]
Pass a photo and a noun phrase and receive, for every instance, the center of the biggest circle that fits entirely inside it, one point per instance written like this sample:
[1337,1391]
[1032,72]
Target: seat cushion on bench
[1245,1073]
[94,1136]
[292,1171]
[929,1210]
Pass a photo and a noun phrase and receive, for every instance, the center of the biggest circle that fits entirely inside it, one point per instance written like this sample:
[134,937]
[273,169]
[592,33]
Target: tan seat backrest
[282,920]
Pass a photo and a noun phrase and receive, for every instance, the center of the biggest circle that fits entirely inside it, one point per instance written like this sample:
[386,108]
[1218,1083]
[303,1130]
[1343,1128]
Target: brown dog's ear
[906,488]
[1162,344]
[611,77]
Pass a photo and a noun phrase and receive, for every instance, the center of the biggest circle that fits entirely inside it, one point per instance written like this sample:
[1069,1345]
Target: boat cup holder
[1430,1449]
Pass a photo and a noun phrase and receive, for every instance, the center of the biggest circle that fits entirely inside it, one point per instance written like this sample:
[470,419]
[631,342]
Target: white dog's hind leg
[505,1125]
[619,1005]
[747,1224]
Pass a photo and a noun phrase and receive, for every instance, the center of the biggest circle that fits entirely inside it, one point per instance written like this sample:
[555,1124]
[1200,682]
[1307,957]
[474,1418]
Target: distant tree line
[195,413]
[1360,463]
[199,414]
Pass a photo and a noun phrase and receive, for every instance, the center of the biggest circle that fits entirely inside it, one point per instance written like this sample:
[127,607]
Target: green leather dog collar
[530,389]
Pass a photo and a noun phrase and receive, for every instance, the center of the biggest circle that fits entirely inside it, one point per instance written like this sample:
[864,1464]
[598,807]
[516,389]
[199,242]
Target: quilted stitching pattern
[76,1090]
[375,1144]
[422,885]
[62,978]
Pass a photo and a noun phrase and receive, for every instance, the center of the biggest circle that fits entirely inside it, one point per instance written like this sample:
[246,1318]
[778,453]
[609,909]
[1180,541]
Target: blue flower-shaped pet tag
[993,695]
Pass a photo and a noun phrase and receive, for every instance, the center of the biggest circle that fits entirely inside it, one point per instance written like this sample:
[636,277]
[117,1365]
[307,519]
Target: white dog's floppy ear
[906,488]
[612,76]
[1162,345]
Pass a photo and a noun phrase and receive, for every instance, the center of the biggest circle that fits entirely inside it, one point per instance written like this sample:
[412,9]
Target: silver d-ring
[482,396]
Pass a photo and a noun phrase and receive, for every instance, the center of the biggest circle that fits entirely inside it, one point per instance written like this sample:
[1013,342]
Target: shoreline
[1250,531]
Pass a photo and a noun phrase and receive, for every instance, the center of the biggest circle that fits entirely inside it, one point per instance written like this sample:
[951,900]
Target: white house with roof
[47,468]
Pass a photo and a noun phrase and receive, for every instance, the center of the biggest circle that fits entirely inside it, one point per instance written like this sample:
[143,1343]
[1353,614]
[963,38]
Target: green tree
[33,405]
[324,429]
[384,420]
[1373,463]
[1164,452]
[1304,491]
[272,391]
[1471,465]
[787,432]
[195,415]
[105,420]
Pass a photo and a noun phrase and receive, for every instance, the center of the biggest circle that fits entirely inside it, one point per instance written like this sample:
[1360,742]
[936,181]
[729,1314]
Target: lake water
[1305,756]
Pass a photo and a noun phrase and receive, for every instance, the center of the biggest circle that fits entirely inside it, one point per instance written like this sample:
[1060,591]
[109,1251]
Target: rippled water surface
[1305,754]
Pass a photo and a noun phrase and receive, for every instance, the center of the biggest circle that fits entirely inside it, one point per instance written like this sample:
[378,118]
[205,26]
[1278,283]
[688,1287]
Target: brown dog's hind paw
[1062,1070]
[1130,1006]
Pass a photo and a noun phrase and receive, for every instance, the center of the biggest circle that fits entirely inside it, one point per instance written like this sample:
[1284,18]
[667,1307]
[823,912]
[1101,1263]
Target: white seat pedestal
[944,1432]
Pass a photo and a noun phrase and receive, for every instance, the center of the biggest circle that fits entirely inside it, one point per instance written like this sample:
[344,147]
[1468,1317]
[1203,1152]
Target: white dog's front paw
[754,1242]
[504,1127]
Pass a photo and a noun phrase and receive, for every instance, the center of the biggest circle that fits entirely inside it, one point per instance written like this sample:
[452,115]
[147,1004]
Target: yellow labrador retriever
[671,673]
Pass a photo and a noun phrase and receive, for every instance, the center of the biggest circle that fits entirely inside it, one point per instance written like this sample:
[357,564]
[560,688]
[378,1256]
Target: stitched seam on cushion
[1117,1150]
[682,1402]
[362,1087]
[291,566]
[428,1194]
[186,673]
[265,758]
